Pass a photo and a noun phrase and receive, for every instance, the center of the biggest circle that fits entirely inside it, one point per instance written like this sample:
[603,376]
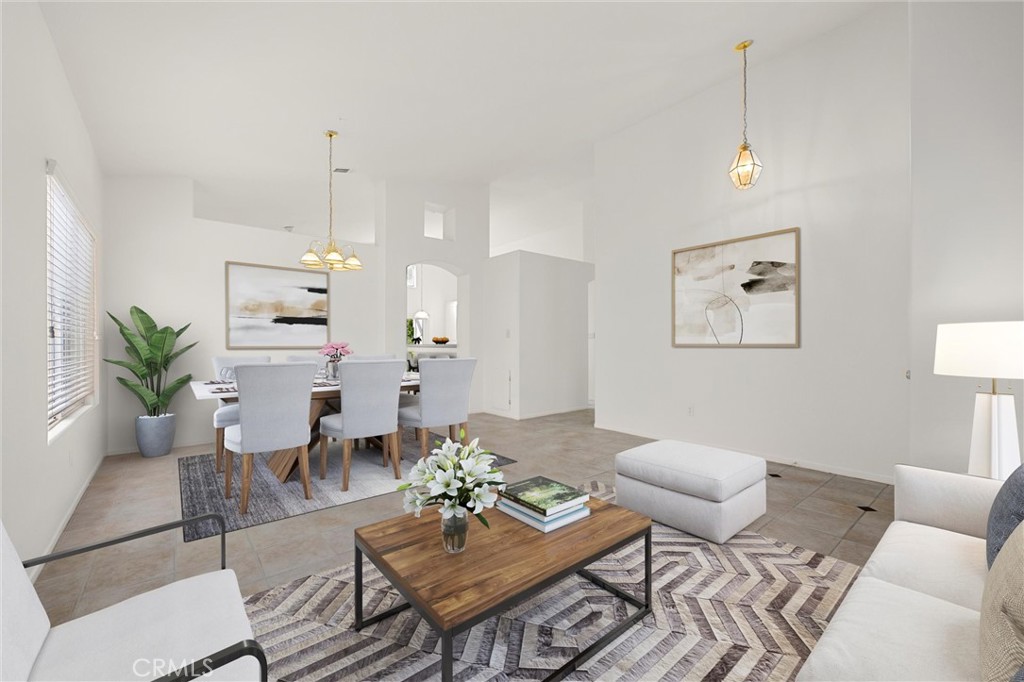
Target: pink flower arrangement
[336,351]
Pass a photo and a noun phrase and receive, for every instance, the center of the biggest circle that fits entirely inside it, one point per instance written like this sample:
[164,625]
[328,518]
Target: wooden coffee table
[499,568]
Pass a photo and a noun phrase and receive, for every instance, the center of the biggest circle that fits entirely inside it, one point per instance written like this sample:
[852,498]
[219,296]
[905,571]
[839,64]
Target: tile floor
[812,509]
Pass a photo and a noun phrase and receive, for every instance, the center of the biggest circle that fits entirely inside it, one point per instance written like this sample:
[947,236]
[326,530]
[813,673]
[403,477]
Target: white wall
[400,226]
[499,366]
[171,264]
[563,242]
[41,481]
[552,334]
[535,335]
[829,120]
[967,135]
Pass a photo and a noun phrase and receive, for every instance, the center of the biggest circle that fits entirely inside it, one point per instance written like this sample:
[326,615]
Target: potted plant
[151,351]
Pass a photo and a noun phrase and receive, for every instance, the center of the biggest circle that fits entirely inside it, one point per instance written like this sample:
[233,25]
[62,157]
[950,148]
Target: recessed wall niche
[438,222]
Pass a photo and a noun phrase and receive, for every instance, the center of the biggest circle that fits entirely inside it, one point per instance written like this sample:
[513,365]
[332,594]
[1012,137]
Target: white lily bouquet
[459,478]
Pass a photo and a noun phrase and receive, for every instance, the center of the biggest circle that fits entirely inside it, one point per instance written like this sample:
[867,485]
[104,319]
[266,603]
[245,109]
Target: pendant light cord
[744,96]
[330,185]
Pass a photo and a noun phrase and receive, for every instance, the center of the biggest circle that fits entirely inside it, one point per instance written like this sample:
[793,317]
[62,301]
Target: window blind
[70,305]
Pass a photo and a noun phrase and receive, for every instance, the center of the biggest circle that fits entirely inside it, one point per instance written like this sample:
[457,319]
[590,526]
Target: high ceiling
[236,95]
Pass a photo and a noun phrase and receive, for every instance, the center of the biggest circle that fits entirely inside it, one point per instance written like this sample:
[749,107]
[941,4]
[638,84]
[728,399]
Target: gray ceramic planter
[155,435]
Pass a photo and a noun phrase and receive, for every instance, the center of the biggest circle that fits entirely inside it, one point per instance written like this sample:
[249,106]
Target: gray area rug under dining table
[202,488]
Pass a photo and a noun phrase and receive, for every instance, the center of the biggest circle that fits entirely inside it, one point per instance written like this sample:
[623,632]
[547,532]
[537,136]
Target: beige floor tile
[867,531]
[122,566]
[854,552]
[856,485]
[292,551]
[102,597]
[826,523]
[804,475]
[56,593]
[823,506]
[844,496]
[808,538]
[759,523]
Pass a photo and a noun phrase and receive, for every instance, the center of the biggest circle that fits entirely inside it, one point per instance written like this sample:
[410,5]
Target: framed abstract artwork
[738,293]
[270,307]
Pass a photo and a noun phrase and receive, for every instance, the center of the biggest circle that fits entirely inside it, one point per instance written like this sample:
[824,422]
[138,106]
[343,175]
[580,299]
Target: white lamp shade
[980,349]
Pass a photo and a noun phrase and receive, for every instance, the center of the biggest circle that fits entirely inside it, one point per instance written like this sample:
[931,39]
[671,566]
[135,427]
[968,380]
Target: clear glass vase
[453,533]
[332,369]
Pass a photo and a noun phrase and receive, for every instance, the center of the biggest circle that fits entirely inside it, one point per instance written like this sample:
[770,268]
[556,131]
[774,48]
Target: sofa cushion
[934,561]
[1002,613]
[887,632]
[23,621]
[1007,512]
[151,634]
[699,470]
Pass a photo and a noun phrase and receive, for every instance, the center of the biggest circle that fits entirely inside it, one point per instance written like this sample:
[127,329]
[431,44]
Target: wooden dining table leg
[284,462]
[453,432]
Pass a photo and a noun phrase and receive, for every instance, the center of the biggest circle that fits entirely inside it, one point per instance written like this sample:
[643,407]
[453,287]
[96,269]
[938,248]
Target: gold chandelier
[746,167]
[319,256]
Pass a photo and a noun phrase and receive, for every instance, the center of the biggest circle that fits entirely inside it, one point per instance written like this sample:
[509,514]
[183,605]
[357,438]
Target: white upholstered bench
[708,492]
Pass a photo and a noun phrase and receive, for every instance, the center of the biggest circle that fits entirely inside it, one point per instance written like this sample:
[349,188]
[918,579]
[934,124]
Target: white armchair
[190,628]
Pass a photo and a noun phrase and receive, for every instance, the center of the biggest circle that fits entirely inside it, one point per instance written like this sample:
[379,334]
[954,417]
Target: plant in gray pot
[151,351]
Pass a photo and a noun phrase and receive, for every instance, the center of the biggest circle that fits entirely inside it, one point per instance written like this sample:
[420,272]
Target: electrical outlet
[689,410]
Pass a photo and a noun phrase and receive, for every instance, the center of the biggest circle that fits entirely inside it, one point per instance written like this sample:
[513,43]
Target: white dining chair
[369,407]
[273,402]
[368,358]
[227,414]
[443,400]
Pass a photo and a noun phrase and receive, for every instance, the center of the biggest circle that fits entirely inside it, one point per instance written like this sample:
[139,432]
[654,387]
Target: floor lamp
[992,350]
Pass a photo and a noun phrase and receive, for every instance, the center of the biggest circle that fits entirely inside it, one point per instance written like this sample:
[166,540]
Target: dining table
[284,462]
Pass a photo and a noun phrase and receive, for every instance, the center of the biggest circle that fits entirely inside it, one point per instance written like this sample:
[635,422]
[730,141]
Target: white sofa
[195,624]
[914,611]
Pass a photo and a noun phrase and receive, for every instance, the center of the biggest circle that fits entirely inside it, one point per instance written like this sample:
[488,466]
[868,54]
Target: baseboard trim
[33,573]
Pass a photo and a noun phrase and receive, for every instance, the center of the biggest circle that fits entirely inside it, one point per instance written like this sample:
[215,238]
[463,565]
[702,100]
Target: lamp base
[995,450]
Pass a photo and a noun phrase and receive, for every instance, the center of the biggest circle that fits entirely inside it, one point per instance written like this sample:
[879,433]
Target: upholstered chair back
[369,396]
[444,390]
[23,621]
[273,405]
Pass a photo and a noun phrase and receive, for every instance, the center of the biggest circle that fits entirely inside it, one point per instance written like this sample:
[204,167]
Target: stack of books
[544,504]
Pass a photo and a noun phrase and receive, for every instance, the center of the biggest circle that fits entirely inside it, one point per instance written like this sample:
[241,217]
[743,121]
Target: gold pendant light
[746,167]
[318,256]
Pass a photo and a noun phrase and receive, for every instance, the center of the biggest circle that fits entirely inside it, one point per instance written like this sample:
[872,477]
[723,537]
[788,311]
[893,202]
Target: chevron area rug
[751,609]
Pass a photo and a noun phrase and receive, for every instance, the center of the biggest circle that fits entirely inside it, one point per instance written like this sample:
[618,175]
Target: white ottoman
[705,491]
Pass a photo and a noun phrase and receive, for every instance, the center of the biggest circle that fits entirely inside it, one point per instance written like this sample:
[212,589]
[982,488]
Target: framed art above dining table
[269,307]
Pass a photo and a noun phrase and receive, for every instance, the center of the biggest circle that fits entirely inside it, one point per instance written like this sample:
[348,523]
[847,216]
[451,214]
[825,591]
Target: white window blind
[70,305]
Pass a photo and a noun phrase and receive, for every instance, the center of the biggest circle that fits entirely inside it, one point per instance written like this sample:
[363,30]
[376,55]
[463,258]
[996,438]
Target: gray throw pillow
[1006,514]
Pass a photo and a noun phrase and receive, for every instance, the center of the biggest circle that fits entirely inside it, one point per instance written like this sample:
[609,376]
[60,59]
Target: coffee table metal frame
[448,636]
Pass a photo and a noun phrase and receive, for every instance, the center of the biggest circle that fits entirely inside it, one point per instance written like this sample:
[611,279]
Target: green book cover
[545,495]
